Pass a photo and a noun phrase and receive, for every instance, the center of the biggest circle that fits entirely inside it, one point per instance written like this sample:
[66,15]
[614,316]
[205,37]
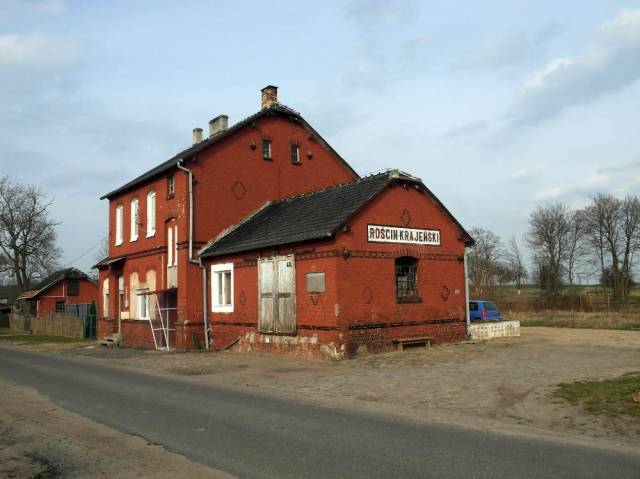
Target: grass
[626,321]
[28,338]
[607,397]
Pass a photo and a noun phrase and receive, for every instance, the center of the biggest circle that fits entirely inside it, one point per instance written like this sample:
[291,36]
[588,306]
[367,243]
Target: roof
[107,262]
[316,215]
[52,279]
[170,164]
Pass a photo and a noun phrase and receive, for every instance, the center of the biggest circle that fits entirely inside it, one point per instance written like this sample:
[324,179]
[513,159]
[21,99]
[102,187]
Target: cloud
[610,63]
[626,167]
[386,42]
[37,52]
[509,50]
[465,129]
[584,186]
[524,175]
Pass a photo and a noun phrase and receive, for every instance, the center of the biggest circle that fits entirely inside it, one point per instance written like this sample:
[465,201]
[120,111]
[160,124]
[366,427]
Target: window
[171,186]
[143,304]
[72,287]
[134,219]
[172,246]
[266,149]
[59,306]
[489,306]
[151,214]
[119,221]
[105,298]
[222,288]
[295,154]
[407,279]
[473,306]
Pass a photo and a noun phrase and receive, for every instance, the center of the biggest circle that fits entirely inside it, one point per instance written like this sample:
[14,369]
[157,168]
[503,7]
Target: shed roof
[170,164]
[52,279]
[310,216]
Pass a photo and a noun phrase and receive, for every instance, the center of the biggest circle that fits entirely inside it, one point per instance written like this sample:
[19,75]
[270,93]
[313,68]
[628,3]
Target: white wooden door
[277,280]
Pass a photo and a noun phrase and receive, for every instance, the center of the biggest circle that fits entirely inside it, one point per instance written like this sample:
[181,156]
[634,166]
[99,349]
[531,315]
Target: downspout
[196,261]
[466,293]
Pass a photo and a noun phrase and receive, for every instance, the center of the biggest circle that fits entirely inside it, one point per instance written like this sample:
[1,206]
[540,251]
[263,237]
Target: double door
[277,285]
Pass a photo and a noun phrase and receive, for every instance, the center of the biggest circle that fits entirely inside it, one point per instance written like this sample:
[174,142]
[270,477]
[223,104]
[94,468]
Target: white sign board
[395,234]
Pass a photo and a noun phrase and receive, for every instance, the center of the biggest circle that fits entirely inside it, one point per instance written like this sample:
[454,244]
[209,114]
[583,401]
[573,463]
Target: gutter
[205,316]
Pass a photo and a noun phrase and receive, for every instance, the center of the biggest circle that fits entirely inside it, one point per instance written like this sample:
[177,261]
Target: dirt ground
[500,384]
[41,440]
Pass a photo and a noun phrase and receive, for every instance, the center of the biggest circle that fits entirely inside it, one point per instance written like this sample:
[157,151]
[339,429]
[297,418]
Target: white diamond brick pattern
[500,329]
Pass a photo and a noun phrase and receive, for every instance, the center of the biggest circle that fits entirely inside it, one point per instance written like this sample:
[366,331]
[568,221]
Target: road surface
[252,435]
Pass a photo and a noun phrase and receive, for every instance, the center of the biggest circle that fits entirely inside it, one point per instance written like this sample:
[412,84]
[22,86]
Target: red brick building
[154,279]
[158,221]
[59,293]
[331,272]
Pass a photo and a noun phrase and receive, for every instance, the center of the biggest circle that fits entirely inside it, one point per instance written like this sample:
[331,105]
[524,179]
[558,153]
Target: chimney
[218,124]
[197,135]
[269,96]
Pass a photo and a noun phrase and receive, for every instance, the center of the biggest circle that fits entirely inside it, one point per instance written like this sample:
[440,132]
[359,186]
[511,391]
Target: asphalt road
[251,435]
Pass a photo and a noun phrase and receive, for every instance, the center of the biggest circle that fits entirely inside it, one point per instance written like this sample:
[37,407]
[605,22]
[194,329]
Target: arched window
[407,279]
[119,224]
[134,219]
[151,213]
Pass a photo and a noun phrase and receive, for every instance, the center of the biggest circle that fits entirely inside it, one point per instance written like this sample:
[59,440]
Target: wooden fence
[50,325]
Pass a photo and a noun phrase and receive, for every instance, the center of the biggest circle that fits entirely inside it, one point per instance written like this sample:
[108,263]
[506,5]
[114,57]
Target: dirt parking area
[496,384]
[41,440]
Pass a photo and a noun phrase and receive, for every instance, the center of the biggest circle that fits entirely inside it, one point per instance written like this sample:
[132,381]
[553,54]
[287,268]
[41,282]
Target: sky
[499,106]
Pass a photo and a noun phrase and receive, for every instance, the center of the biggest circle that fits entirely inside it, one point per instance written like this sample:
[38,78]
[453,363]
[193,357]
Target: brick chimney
[269,96]
[218,124]
[197,135]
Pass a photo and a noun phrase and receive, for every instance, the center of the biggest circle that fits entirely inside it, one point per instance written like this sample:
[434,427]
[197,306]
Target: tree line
[600,240]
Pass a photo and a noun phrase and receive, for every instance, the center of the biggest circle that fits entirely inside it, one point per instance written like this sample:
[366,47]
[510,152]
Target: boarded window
[277,295]
[407,279]
[315,282]
[119,224]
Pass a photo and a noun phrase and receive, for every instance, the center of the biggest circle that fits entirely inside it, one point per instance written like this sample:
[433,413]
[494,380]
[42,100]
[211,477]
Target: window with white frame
[143,303]
[134,219]
[105,298]
[222,288]
[151,213]
[119,224]
[172,246]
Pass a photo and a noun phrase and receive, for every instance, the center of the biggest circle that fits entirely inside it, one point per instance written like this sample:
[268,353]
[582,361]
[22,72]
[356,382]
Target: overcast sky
[498,106]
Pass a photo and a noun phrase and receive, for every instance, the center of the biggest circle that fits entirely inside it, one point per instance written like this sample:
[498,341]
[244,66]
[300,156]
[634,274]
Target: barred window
[407,279]
[266,149]
[295,154]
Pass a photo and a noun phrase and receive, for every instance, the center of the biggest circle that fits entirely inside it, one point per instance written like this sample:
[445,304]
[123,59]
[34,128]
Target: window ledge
[222,309]
[151,235]
[415,299]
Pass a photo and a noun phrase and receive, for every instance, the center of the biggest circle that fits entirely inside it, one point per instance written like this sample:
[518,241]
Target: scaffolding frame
[163,315]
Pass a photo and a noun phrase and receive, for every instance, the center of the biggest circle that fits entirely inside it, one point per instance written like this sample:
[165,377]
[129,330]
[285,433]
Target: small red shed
[332,272]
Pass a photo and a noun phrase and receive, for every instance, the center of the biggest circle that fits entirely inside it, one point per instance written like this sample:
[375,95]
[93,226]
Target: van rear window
[473,306]
[489,306]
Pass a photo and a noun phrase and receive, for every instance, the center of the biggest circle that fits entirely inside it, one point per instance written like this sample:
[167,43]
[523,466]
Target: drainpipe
[196,261]
[205,315]
[466,293]
[180,167]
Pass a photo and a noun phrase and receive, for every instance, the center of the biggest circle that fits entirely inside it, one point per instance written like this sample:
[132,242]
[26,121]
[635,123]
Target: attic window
[295,154]
[266,149]
[171,186]
[72,287]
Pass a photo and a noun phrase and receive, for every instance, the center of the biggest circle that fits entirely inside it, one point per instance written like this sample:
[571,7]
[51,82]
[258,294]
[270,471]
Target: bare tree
[575,250]
[485,258]
[549,231]
[516,262]
[614,233]
[27,233]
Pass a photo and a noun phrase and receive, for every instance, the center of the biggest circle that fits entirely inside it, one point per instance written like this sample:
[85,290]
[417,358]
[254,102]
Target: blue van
[480,310]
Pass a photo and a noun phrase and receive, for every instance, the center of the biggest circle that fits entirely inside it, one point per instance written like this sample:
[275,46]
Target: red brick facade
[59,293]
[231,179]
[359,308]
